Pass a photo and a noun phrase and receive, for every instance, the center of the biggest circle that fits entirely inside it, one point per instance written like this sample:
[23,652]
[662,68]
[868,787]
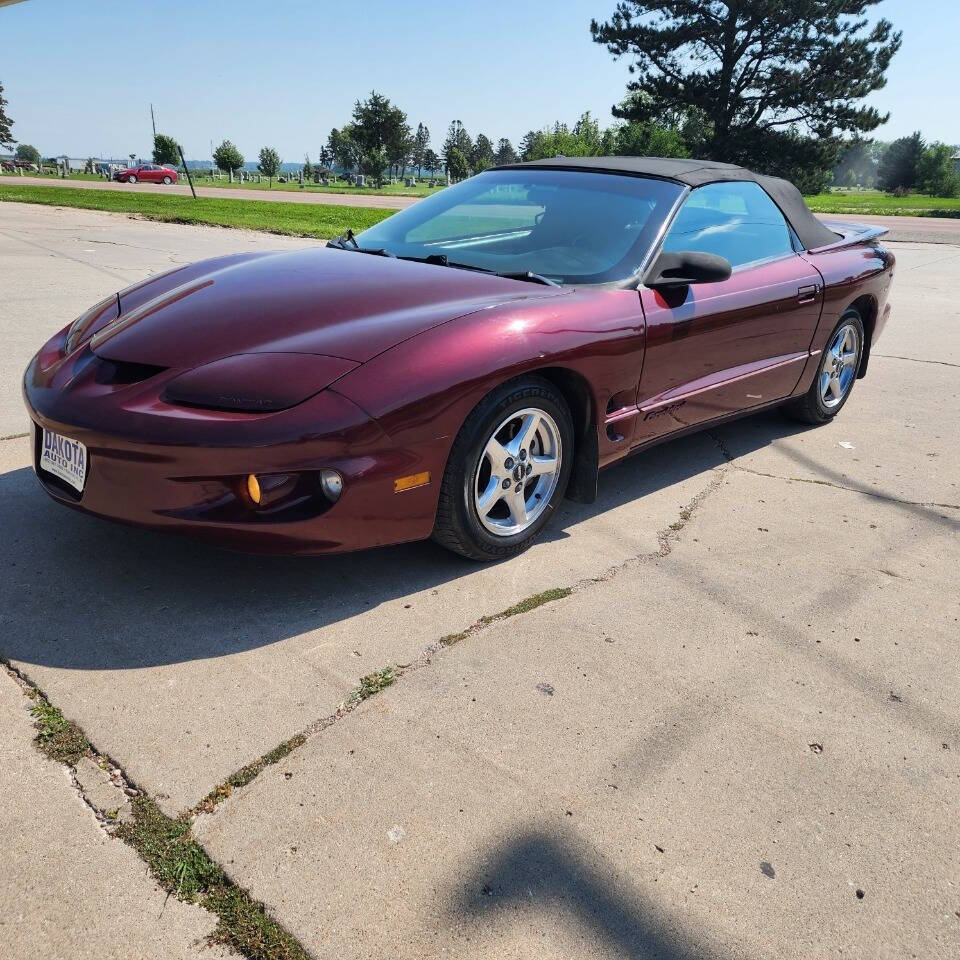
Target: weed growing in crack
[179,864]
[451,638]
[530,603]
[59,738]
[182,867]
[247,774]
[374,683]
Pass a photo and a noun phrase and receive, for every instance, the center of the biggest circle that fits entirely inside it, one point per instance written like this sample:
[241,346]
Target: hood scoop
[124,372]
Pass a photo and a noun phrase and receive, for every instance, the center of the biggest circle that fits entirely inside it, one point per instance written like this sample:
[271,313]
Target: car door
[713,349]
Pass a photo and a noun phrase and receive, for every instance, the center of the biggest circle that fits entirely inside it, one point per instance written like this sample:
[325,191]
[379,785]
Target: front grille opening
[124,372]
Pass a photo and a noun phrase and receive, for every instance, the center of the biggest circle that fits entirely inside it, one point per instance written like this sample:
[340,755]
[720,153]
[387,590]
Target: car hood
[323,301]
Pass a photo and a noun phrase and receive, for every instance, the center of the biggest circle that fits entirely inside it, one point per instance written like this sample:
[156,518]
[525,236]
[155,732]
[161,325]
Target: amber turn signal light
[409,483]
[253,488]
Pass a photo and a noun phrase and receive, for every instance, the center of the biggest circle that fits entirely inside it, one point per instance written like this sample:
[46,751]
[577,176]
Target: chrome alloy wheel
[840,362]
[518,472]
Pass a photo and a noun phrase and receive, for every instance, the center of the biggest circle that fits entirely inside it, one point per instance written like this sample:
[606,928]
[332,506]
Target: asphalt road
[908,229]
[737,736]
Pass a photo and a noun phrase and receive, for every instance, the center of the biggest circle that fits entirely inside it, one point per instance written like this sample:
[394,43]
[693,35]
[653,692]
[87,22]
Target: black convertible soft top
[695,173]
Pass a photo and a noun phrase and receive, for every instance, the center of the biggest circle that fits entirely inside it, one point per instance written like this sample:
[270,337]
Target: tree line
[905,165]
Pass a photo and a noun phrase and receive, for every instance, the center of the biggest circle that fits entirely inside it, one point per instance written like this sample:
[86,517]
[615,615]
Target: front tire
[836,375]
[508,469]
[131,179]
[167,181]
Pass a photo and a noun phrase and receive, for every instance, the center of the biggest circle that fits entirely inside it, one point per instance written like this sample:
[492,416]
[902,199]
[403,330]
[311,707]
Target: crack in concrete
[240,919]
[667,538]
[864,491]
[929,263]
[14,436]
[940,363]
[127,246]
[105,821]
[66,256]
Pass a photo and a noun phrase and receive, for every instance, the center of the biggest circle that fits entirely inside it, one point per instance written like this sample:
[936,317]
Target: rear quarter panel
[850,273]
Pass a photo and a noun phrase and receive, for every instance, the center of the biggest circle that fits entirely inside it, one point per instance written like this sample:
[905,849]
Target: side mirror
[685,267]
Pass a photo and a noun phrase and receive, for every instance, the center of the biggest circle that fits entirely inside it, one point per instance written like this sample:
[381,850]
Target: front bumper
[181,470]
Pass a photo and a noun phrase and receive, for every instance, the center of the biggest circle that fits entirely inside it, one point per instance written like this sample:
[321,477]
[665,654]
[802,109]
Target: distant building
[956,162]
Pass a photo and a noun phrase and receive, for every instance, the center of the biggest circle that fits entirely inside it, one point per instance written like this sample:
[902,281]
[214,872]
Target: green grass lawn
[884,204]
[341,186]
[299,220]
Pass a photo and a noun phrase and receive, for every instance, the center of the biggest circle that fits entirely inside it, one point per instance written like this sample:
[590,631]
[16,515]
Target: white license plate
[66,459]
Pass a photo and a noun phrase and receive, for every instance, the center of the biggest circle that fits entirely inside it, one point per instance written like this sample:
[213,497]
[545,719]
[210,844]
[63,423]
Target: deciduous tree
[373,163]
[165,150]
[27,153]
[432,162]
[380,125]
[647,139]
[227,157]
[344,150]
[457,166]
[269,163]
[935,171]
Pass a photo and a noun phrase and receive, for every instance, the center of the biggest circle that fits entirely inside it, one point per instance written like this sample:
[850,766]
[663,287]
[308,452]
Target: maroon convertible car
[459,368]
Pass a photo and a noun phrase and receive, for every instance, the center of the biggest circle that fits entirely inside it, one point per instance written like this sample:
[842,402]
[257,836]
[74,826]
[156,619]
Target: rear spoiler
[850,234]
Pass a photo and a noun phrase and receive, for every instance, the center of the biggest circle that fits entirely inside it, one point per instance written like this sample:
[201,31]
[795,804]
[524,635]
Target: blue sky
[79,77]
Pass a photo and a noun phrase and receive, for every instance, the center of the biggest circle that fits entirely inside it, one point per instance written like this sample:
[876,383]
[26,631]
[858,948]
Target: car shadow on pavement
[535,881]
[77,591]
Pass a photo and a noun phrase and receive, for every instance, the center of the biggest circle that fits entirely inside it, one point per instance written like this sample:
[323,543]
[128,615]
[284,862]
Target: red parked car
[459,368]
[147,173]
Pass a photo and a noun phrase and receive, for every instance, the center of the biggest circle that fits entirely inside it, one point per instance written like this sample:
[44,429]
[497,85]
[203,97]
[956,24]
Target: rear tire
[836,374]
[508,469]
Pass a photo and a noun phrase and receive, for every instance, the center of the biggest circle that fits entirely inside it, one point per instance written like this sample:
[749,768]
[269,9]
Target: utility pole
[186,170]
[153,123]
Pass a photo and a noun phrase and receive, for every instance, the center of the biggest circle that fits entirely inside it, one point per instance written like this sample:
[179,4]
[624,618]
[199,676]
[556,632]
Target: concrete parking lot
[734,732]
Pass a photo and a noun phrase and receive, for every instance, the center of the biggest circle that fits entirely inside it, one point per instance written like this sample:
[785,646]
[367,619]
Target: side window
[735,220]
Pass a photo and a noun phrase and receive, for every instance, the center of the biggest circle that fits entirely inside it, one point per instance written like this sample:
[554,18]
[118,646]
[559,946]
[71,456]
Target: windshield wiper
[344,241]
[529,276]
[441,260]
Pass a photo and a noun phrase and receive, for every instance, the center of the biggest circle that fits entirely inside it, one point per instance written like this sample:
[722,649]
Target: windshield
[566,225]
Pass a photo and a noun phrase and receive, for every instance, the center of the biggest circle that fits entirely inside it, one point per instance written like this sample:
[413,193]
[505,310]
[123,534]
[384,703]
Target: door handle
[808,293]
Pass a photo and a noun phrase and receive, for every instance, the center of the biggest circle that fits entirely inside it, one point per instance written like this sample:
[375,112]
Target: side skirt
[698,428]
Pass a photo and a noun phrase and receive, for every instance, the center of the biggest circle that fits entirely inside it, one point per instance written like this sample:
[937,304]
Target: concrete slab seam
[179,864]
[666,538]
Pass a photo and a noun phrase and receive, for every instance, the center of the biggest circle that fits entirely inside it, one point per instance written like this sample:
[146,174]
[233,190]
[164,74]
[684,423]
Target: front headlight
[257,382]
